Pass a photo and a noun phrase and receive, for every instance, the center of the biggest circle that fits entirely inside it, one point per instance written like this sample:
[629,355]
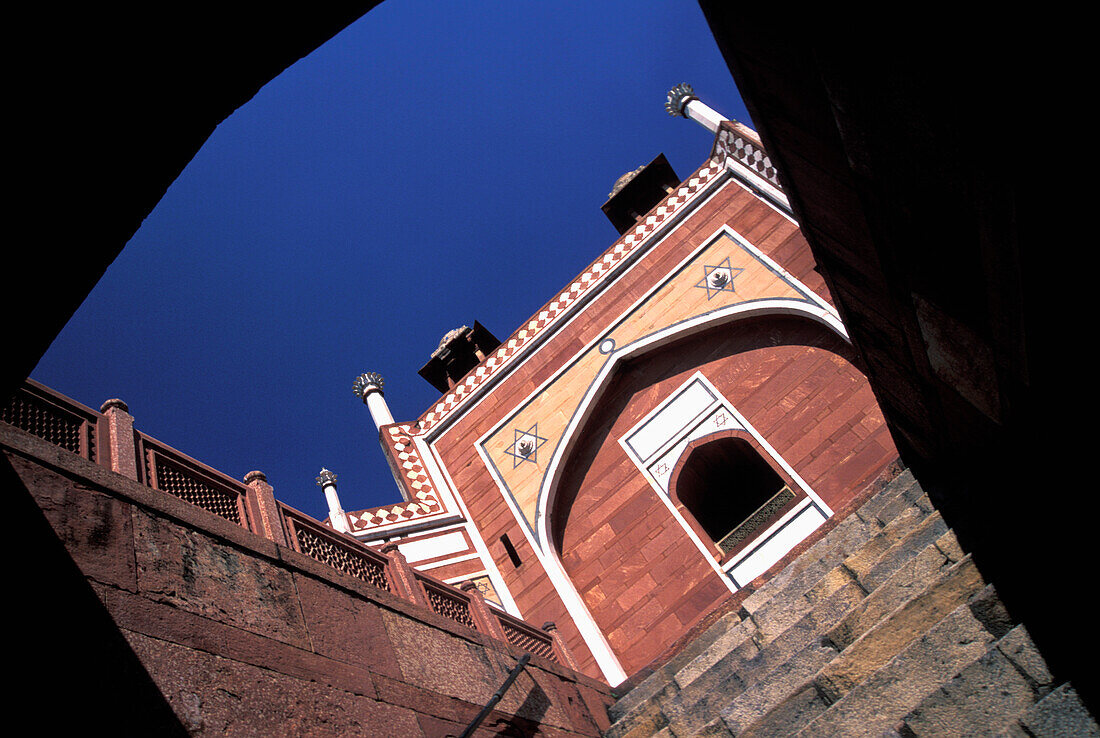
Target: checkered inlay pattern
[629,243]
[732,144]
[425,500]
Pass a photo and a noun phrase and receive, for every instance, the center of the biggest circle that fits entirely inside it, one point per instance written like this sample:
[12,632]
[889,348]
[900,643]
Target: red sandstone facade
[680,420]
[663,432]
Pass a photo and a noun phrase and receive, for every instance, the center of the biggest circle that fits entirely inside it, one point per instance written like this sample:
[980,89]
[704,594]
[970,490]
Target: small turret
[459,351]
[637,192]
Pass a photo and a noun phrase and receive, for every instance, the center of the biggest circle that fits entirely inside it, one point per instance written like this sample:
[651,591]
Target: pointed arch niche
[773,396]
[735,496]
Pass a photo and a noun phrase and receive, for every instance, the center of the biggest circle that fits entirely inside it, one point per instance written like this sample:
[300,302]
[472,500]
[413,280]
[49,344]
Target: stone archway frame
[696,441]
[697,427]
[549,557]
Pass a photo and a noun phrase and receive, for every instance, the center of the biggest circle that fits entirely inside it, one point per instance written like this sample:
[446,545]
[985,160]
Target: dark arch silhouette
[110,104]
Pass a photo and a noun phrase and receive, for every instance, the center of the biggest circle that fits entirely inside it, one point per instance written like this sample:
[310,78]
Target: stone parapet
[210,609]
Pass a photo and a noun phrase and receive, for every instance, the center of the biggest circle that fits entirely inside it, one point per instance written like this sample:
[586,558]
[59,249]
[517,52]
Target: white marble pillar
[368,386]
[326,480]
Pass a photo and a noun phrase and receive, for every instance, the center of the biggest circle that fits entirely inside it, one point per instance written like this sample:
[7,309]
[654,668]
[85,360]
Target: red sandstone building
[665,461]
[665,430]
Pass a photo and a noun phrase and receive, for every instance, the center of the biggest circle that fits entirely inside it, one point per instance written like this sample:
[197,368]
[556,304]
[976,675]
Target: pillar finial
[367,382]
[326,480]
[368,387]
[683,101]
[678,99]
[114,403]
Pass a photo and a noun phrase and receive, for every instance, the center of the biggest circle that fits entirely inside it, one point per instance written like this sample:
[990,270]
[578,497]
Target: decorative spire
[367,382]
[326,480]
[368,387]
[678,99]
[682,101]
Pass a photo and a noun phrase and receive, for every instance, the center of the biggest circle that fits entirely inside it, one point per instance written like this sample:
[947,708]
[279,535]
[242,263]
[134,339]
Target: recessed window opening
[731,491]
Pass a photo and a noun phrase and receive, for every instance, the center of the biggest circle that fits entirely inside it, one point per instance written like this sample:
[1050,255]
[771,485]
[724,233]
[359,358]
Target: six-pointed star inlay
[718,278]
[526,446]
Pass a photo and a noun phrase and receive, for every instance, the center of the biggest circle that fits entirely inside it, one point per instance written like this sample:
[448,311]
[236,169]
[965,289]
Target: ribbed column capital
[678,98]
[366,383]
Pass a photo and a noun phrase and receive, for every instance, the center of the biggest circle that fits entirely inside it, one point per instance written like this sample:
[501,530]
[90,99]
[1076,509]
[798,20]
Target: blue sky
[432,165]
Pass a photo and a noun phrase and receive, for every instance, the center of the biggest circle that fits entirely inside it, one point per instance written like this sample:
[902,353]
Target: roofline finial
[678,98]
[683,101]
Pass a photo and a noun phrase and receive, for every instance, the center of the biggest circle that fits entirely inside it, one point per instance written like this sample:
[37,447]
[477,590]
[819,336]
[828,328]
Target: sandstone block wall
[244,637]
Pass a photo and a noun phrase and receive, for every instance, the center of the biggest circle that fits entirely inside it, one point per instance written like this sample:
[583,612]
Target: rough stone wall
[243,637]
[883,627]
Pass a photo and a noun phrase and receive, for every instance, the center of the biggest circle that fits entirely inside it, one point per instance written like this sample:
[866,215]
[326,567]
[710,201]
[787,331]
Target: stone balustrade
[108,438]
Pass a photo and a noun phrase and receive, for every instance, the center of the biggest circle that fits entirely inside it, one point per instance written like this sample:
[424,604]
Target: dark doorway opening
[731,491]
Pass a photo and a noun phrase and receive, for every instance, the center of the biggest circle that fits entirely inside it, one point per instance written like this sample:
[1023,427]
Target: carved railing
[345,554]
[760,517]
[388,570]
[524,637]
[55,418]
[168,470]
[70,425]
[448,602]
